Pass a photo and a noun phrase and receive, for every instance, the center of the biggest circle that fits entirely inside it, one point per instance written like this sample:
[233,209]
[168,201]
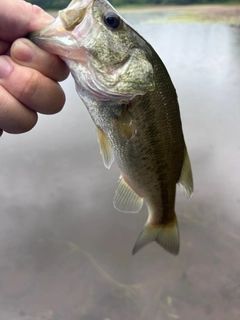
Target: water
[65,252]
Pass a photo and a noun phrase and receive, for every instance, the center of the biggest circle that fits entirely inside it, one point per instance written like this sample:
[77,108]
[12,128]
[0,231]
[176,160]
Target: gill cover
[106,56]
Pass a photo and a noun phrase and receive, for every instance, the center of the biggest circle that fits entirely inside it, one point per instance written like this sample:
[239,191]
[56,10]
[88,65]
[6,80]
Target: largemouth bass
[133,103]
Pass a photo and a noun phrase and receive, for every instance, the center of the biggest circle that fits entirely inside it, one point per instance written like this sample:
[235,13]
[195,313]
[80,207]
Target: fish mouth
[61,37]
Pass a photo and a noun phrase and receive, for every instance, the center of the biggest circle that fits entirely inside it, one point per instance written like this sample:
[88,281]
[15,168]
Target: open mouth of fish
[70,37]
[63,35]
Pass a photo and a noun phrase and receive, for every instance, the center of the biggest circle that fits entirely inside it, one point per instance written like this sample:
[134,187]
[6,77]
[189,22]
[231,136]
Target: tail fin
[165,235]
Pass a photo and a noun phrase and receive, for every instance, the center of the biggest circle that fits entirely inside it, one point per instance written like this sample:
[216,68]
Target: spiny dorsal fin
[186,180]
[165,235]
[126,199]
[105,148]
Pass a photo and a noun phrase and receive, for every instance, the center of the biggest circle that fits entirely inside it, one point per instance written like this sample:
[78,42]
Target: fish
[134,105]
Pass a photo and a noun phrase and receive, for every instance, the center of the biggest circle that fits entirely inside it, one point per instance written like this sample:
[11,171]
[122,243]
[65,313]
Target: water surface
[65,252]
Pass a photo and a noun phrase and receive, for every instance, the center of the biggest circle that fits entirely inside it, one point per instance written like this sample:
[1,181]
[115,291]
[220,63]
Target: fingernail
[22,52]
[5,67]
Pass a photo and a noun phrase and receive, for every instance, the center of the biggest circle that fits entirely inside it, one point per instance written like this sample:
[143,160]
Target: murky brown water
[65,252]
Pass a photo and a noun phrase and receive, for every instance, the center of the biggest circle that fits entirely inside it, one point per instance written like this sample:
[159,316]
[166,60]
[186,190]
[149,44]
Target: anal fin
[166,235]
[126,199]
[186,180]
[105,148]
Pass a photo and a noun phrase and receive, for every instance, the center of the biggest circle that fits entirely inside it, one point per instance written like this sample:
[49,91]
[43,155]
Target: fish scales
[149,167]
[133,103]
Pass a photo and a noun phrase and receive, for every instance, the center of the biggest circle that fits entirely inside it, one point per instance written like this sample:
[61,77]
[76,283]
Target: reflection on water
[65,252]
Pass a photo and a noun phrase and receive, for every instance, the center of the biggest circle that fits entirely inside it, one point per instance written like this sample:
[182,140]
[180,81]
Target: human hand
[28,75]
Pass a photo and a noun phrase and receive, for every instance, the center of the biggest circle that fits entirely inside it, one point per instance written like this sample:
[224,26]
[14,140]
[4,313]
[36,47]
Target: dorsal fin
[105,148]
[126,199]
[186,180]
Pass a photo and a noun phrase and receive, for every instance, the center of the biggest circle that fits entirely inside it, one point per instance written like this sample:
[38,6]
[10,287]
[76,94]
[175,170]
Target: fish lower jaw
[101,94]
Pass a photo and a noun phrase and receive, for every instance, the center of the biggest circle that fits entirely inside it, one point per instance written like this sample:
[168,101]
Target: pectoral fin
[126,199]
[127,124]
[186,180]
[105,148]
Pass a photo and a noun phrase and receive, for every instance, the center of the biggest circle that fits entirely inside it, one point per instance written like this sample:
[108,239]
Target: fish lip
[53,38]
[60,37]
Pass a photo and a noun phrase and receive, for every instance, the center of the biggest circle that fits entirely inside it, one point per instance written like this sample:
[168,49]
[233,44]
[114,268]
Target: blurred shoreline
[229,14]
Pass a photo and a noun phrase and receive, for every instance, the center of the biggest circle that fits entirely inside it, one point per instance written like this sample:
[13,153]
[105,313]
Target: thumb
[18,17]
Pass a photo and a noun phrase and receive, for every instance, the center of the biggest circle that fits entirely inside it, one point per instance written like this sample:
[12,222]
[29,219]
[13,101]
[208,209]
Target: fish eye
[111,20]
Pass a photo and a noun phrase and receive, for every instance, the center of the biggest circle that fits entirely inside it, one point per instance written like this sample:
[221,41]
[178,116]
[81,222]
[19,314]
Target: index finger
[27,54]
[28,18]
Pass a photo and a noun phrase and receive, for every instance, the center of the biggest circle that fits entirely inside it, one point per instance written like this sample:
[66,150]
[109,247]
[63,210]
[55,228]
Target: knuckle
[58,70]
[14,116]
[31,87]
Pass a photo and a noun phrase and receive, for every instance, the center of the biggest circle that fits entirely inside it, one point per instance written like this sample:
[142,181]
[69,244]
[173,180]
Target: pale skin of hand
[28,75]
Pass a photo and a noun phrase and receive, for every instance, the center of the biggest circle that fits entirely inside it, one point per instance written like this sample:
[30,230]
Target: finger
[26,53]
[14,116]
[38,18]
[17,18]
[4,46]
[30,87]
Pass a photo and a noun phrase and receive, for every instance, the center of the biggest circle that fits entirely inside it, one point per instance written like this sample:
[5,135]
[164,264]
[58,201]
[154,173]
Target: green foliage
[50,4]
[60,4]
